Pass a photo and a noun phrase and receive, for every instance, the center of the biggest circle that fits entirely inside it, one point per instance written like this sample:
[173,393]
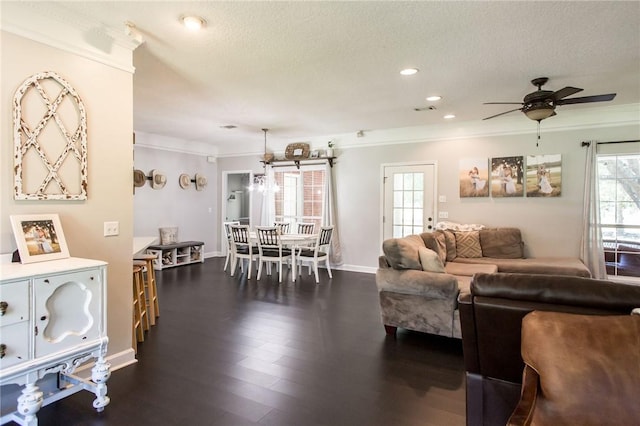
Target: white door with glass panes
[409,199]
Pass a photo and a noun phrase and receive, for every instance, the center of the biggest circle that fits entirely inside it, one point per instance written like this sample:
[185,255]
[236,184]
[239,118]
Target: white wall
[194,212]
[107,95]
[550,226]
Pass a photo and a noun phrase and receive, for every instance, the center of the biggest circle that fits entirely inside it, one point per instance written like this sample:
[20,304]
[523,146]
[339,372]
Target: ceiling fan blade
[563,93]
[502,103]
[503,113]
[586,99]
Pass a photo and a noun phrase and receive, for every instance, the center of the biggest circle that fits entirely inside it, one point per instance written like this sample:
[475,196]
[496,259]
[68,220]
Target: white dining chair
[306,227]
[270,248]
[227,232]
[283,226]
[318,253]
[243,248]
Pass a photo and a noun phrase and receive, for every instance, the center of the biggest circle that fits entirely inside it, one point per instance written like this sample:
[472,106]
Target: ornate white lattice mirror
[50,140]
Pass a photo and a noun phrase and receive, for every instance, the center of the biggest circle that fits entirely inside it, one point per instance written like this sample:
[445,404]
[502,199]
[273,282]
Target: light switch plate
[443,215]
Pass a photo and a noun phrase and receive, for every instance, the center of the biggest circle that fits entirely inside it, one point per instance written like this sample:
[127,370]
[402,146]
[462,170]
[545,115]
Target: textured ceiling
[305,69]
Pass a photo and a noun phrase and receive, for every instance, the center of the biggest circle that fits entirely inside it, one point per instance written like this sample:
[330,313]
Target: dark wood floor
[227,351]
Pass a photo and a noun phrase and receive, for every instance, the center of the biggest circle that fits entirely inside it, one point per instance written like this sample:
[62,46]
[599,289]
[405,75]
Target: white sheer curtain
[592,250]
[268,213]
[329,217]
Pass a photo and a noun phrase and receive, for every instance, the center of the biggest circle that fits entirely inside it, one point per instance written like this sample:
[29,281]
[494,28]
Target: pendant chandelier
[261,181]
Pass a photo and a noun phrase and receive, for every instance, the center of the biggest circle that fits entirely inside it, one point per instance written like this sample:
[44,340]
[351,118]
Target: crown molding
[52,25]
[165,143]
[586,118]
[567,120]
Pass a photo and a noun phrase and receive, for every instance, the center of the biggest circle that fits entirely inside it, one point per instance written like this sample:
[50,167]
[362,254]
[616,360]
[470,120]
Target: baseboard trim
[355,268]
[350,268]
[118,360]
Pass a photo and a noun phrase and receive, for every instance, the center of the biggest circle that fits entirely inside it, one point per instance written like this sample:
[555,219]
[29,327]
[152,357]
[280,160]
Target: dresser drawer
[15,338]
[14,297]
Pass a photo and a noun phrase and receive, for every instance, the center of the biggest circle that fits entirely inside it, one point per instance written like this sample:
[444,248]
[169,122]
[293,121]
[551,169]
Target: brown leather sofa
[491,317]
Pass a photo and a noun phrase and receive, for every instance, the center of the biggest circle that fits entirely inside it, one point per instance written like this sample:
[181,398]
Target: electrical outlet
[443,215]
[111,229]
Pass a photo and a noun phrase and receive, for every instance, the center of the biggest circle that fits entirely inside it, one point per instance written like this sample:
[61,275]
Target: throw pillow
[168,235]
[450,240]
[468,244]
[435,241]
[402,253]
[430,260]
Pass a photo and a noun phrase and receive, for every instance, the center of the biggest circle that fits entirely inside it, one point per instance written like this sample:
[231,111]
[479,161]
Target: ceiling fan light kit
[538,112]
[541,104]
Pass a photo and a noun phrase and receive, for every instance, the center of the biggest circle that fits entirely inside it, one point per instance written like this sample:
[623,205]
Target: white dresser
[53,318]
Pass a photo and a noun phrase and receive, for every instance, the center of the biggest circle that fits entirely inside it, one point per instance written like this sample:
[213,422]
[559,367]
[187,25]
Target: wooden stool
[138,328]
[144,316]
[153,307]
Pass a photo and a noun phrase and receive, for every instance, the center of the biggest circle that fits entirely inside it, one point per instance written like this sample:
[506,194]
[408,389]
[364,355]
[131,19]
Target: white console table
[53,318]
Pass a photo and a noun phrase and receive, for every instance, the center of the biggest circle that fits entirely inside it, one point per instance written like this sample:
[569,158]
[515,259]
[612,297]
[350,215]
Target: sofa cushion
[435,241]
[468,244]
[502,243]
[535,265]
[430,260]
[450,241]
[464,284]
[469,269]
[402,253]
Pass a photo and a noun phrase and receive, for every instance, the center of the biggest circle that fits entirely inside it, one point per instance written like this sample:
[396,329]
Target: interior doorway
[236,201]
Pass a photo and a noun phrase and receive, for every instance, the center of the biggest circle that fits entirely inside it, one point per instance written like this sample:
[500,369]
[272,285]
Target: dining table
[292,241]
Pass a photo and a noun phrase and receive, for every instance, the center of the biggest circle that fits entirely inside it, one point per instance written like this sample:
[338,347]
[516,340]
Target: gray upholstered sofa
[420,277]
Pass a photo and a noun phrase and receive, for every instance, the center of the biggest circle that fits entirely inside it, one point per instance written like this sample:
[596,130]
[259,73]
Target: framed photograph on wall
[473,176]
[544,175]
[507,176]
[39,237]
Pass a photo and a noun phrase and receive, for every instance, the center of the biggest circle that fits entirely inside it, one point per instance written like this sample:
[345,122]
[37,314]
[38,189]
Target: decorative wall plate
[297,151]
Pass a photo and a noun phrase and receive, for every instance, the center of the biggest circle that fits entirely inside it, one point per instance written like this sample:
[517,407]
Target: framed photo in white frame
[39,237]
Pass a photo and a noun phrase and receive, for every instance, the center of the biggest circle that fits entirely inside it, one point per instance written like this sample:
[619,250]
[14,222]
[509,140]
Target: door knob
[3,307]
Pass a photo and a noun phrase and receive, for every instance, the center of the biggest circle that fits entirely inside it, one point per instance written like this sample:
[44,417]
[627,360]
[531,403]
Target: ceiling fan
[541,104]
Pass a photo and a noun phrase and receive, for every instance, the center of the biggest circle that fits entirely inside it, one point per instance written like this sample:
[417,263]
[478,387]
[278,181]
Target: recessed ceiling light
[193,23]
[433,98]
[449,116]
[229,126]
[409,71]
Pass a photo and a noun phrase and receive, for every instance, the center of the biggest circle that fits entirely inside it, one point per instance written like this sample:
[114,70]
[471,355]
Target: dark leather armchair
[491,317]
[580,370]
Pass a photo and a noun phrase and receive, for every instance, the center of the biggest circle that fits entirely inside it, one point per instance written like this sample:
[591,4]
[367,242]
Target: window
[619,192]
[301,197]
[408,204]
